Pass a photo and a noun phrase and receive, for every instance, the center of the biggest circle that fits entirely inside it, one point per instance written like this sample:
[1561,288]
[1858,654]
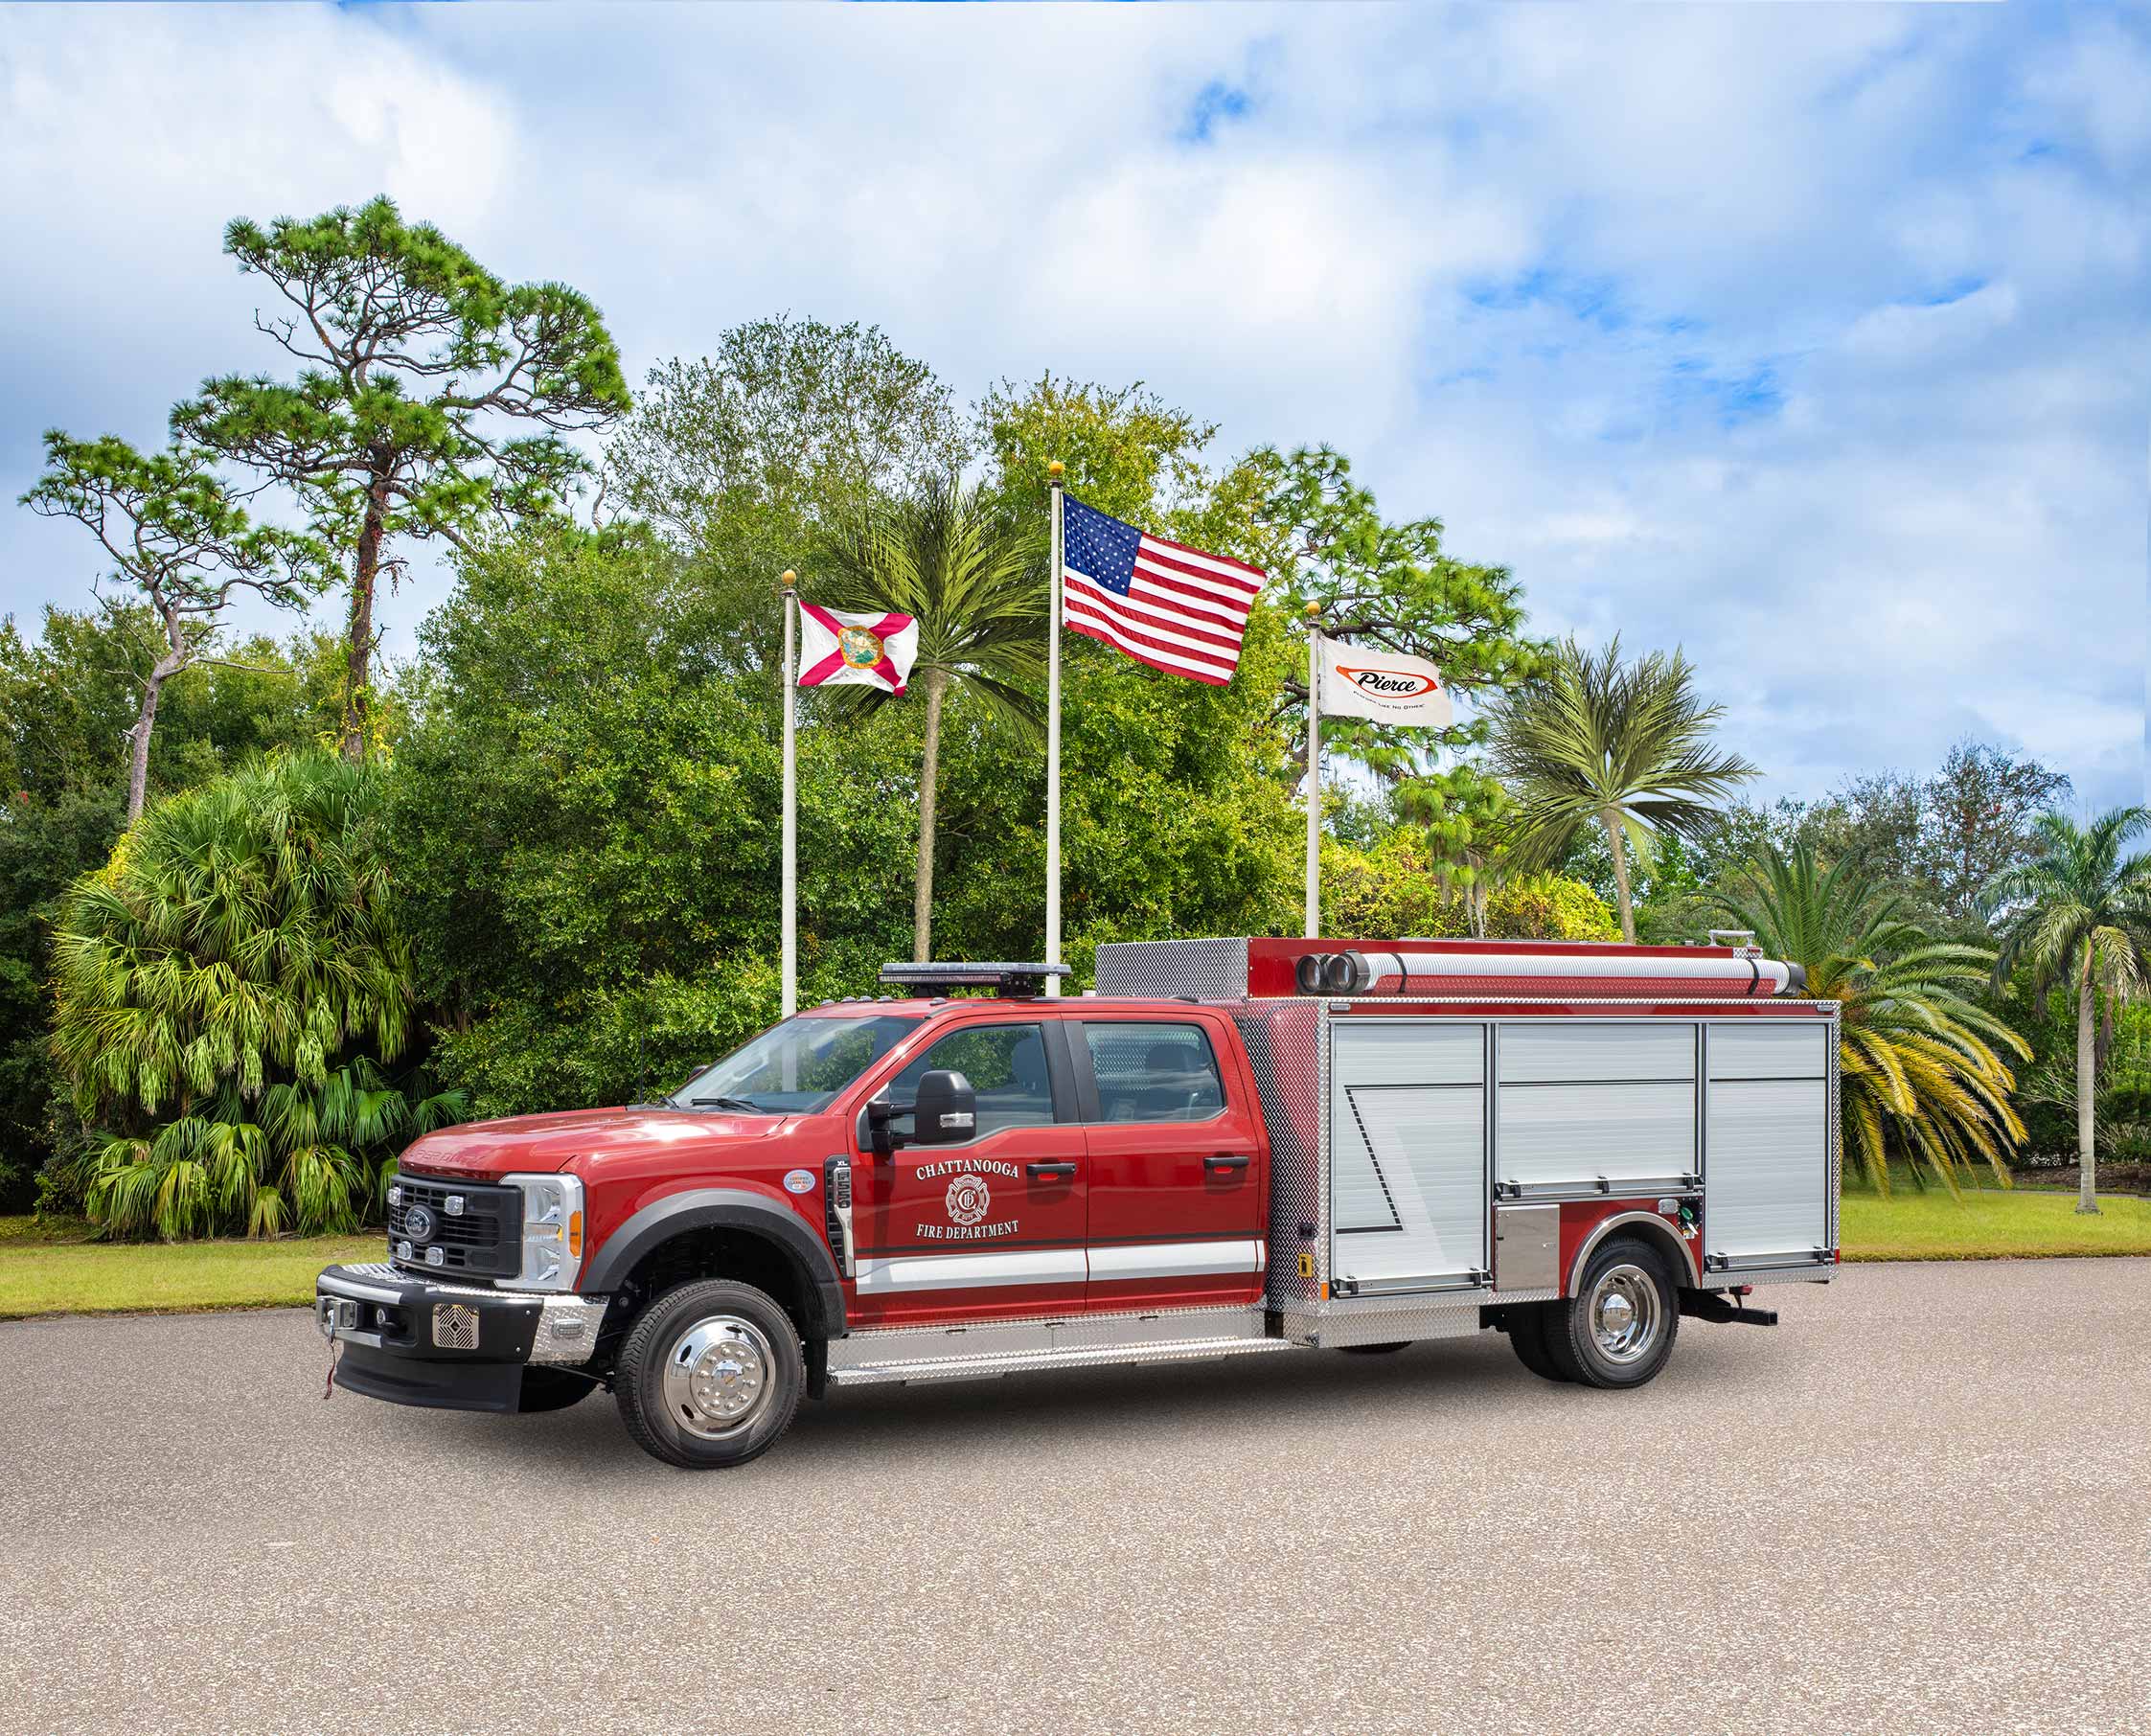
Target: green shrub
[228,990]
[1397,888]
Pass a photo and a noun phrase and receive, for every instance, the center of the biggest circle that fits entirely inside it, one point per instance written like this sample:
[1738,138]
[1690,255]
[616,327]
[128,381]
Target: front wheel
[710,1376]
[1617,1328]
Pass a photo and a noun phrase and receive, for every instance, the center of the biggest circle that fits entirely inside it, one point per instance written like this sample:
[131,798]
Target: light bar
[1002,975]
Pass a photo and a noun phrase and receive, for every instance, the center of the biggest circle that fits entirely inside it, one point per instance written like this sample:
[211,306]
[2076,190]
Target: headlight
[552,1231]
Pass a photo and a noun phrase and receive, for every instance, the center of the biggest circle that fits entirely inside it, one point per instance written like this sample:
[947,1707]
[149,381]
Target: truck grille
[484,1239]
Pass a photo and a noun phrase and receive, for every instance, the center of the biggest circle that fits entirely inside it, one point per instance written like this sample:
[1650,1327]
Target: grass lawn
[47,1270]
[1988,1223]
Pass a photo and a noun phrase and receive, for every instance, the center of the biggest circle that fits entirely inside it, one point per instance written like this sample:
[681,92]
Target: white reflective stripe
[1174,1260]
[878,1277]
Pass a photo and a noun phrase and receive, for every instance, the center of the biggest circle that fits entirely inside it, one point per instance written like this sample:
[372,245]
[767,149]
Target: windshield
[794,1068]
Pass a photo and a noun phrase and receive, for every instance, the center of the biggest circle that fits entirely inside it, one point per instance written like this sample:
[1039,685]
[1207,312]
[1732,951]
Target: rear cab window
[1151,1071]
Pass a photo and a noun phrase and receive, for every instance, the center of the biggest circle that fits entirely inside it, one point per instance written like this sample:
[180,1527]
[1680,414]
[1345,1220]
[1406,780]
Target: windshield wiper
[727,1103]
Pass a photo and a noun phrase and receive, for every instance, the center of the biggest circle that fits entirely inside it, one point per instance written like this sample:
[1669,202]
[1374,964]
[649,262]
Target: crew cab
[1231,1147]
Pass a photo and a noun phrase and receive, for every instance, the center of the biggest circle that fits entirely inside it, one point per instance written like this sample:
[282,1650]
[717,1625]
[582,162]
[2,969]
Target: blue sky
[1812,340]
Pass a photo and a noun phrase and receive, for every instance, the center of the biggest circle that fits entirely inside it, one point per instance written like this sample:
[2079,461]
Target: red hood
[545,1143]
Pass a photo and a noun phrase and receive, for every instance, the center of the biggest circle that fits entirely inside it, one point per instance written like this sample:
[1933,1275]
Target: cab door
[990,1228]
[1177,1176]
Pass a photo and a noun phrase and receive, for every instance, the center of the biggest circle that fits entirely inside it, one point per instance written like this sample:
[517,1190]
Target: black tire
[1528,1338]
[698,1349]
[1374,1350]
[553,1389]
[1595,1354]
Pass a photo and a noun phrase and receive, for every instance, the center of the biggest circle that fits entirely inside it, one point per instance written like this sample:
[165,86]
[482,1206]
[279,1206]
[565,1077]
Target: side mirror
[946,1111]
[878,1138]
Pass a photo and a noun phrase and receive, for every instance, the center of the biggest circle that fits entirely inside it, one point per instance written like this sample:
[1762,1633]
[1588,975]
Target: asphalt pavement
[1922,1504]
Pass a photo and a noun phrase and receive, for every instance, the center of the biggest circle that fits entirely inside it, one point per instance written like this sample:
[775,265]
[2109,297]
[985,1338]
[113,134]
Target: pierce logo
[1391,683]
[969,1199]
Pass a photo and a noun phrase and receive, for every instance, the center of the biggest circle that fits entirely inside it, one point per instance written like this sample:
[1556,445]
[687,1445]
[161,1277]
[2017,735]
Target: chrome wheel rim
[717,1377]
[1626,1311]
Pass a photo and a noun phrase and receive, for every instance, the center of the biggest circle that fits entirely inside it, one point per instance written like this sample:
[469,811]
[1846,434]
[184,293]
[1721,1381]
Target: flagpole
[791,917]
[1314,771]
[1053,743]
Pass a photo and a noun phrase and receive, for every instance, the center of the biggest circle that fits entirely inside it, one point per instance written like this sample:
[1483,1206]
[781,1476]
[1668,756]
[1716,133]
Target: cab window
[1006,1066]
[1154,1072]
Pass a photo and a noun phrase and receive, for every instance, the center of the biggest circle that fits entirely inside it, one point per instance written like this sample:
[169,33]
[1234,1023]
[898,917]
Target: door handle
[1226,1160]
[1036,1169]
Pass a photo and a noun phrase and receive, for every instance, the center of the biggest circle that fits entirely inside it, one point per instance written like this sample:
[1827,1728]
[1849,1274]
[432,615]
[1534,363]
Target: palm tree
[2079,913]
[1625,747]
[224,989]
[1917,1066]
[981,602]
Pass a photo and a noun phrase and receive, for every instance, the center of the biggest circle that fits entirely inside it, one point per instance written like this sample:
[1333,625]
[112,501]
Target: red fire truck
[1230,1147]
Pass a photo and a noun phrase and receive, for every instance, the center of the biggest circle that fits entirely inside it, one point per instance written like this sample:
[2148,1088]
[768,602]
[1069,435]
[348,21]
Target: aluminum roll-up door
[1407,1154]
[1586,1103]
[1767,1144]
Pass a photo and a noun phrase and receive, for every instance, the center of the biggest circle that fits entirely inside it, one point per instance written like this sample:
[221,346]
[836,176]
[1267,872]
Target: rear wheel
[1528,1338]
[711,1375]
[1617,1329]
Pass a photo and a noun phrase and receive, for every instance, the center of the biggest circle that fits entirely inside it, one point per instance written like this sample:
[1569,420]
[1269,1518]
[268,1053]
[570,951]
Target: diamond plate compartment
[1285,1043]
[1208,969]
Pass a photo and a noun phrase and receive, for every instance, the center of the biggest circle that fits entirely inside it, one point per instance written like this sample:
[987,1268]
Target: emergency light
[1009,979]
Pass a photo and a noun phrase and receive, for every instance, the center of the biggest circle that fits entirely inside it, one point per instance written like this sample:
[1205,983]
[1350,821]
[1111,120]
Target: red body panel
[1579,1217]
[929,1202]
[1151,1186]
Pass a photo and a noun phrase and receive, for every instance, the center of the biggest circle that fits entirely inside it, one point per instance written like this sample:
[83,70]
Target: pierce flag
[1386,686]
[842,647]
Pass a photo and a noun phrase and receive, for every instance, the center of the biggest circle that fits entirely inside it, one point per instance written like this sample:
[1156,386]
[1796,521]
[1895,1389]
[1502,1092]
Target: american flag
[1160,602]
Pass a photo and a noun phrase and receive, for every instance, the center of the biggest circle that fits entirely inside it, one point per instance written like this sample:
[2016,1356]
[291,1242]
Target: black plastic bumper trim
[435,1386]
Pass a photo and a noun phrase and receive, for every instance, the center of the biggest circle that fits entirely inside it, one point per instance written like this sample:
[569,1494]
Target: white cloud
[1812,340]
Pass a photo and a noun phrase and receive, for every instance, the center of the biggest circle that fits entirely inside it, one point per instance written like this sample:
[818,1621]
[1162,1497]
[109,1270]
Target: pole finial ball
[790,578]
[1314,609]
[1054,469]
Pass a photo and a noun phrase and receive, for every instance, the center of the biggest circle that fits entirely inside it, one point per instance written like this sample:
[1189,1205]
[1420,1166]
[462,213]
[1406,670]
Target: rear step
[889,1355]
[1008,1362]
[1702,1306]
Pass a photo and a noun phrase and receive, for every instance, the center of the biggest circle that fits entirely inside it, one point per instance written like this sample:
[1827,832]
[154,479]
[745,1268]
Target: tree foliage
[177,540]
[1368,581]
[1622,747]
[68,699]
[1401,885]
[417,365]
[586,818]
[1918,1069]
[226,990]
[977,589]
[2079,915]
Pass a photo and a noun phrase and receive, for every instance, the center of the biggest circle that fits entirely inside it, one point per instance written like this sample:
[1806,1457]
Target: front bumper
[450,1346]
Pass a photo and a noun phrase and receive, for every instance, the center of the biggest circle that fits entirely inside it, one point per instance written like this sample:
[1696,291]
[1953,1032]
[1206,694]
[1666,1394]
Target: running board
[895,1355]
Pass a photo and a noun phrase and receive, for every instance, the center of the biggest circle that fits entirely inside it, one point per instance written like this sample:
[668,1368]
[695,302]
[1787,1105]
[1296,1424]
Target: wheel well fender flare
[734,1209]
[1686,1273]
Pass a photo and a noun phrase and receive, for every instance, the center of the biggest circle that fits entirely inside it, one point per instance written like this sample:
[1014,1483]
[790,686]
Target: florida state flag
[837,647]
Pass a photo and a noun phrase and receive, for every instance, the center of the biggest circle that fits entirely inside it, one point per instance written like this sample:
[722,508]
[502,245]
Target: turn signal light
[575,1235]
